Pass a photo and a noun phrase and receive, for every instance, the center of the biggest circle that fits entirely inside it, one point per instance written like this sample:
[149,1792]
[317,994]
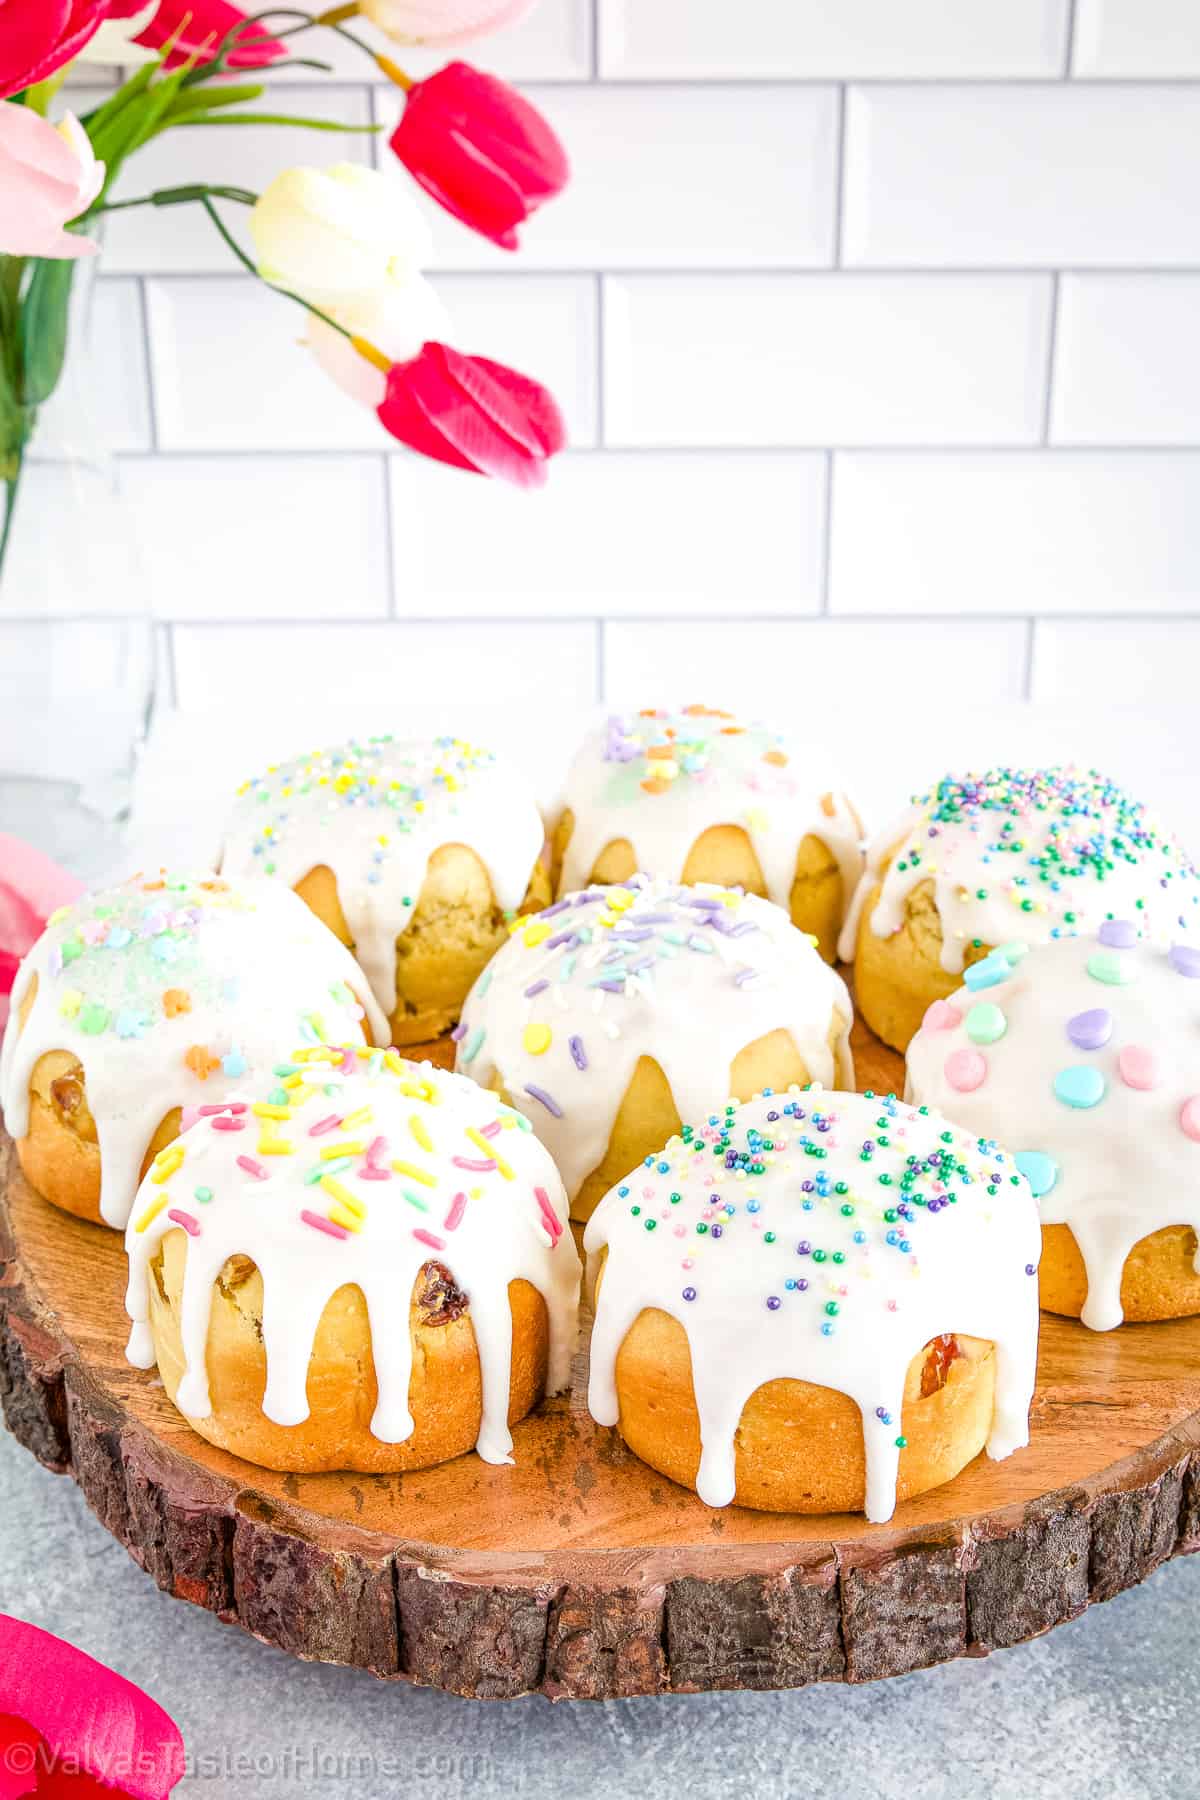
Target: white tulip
[113,44]
[442,21]
[397,318]
[338,233]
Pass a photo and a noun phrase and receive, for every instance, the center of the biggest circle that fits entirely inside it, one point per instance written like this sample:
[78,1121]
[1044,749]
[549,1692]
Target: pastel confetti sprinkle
[941,1016]
[966,1070]
[986,1023]
[537,1039]
[1106,966]
[1090,1030]
[1039,1170]
[1189,1118]
[1081,1086]
[1138,1067]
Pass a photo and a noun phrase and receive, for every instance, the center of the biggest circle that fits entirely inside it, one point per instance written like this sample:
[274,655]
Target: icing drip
[660,779]
[686,975]
[172,991]
[374,812]
[1090,1064]
[433,1167]
[825,1237]
[1044,854]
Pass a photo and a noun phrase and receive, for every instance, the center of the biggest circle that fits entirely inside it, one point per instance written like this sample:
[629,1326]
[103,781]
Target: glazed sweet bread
[145,1002]
[365,1266]
[698,795]
[1029,854]
[620,1010]
[817,1302]
[414,854]
[1084,1056]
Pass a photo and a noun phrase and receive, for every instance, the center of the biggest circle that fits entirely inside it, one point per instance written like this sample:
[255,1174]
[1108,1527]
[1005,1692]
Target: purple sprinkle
[881,1412]
[803,1248]
[634,934]
[1030,1269]
[742,927]
[705,903]
[715,1231]
[561,937]
[459,1033]
[578,1053]
[550,912]
[740,980]
[1185,960]
[773,1303]
[544,1099]
[801,1285]
[1118,934]
[689,1293]
[659,918]
[1091,1030]
[611,987]
[535,989]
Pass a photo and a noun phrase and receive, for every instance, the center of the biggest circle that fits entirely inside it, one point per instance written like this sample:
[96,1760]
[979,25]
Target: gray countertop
[1104,1707]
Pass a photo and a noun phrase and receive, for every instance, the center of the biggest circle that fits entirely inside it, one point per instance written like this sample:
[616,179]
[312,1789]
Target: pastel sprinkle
[988,973]
[427,1237]
[70,1002]
[536,1039]
[1185,960]
[986,1024]
[1039,1170]
[454,1217]
[414,1174]
[965,1070]
[93,1018]
[1090,1030]
[1104,965]
[1118,934]
[474,1044]
[1081,1086]
[252,1167]
[941,1016]
[320,1223]
[578,1054]
[1189,1118]
[1139,1067]
[544,1099]
[189,1222]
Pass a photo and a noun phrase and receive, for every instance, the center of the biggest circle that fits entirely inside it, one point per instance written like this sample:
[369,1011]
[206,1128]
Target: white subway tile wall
[873,326]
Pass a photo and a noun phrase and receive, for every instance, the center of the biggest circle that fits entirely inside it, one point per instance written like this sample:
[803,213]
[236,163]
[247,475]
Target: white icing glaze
[735,1260]
[717,770]
[152,982]
[1039,854]
[1122,1167]
[374,812]
[434,1169]
[686,975]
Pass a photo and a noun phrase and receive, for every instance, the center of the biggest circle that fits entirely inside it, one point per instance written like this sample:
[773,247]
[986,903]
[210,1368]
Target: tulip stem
[12,484]
[287,293]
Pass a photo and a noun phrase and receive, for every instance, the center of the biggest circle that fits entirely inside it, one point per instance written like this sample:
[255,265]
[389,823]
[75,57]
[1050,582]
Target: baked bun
[1084,1056]
[366,1267]
[618,1011]
[697,795]
[1035,854]
[414,854]
[817,1302]
[144,1002]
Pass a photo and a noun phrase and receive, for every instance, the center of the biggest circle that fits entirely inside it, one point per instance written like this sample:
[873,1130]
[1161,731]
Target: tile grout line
[839,174]
[601,346]
[390,537]
[601,659]
[827,537]
[148,366]
[1069,51]
[594,40]
[553,621]
[1051,361]
[1028,658]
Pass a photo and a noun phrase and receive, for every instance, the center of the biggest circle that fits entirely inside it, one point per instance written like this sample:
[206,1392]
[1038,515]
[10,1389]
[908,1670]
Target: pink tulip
[38,36]
[196,28]
[31,887]
[473,414]
[480,150]
[48,175]
[442,22]
[70,1726]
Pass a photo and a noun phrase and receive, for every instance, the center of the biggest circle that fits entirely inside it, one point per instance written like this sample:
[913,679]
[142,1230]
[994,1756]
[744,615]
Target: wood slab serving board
[580,1572]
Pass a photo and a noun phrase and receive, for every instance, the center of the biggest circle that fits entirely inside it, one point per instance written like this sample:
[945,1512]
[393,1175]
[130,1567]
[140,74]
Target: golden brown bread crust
[897,978]
[799,1447]
[1159,1280]
[724,854]
[445,1395]
[455,930]
[648,1118]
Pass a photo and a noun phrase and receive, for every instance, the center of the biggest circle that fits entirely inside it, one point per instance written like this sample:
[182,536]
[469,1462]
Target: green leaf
[274,119]
[208,99]
[44,327]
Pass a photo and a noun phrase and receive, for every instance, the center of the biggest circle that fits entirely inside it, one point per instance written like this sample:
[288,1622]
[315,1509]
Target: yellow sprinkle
[339,1216]
[354,1147]
[419,1132]
[475,1193]
[353,1120]
[294,1081]
[535,935]
[421,1090]
[343,1196]
[70,1003]
[536,1039]
[163,1170]
[415,1174]
[268,1145]
[262,1110]
[151,1213]
[620,900]
[393,1062]
[490,1151]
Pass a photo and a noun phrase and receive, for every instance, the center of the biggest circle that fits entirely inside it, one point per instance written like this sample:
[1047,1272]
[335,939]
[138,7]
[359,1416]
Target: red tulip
[31,887]
[480,150]
[68,1725]
[38,36]
[196,28]
[474,414]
